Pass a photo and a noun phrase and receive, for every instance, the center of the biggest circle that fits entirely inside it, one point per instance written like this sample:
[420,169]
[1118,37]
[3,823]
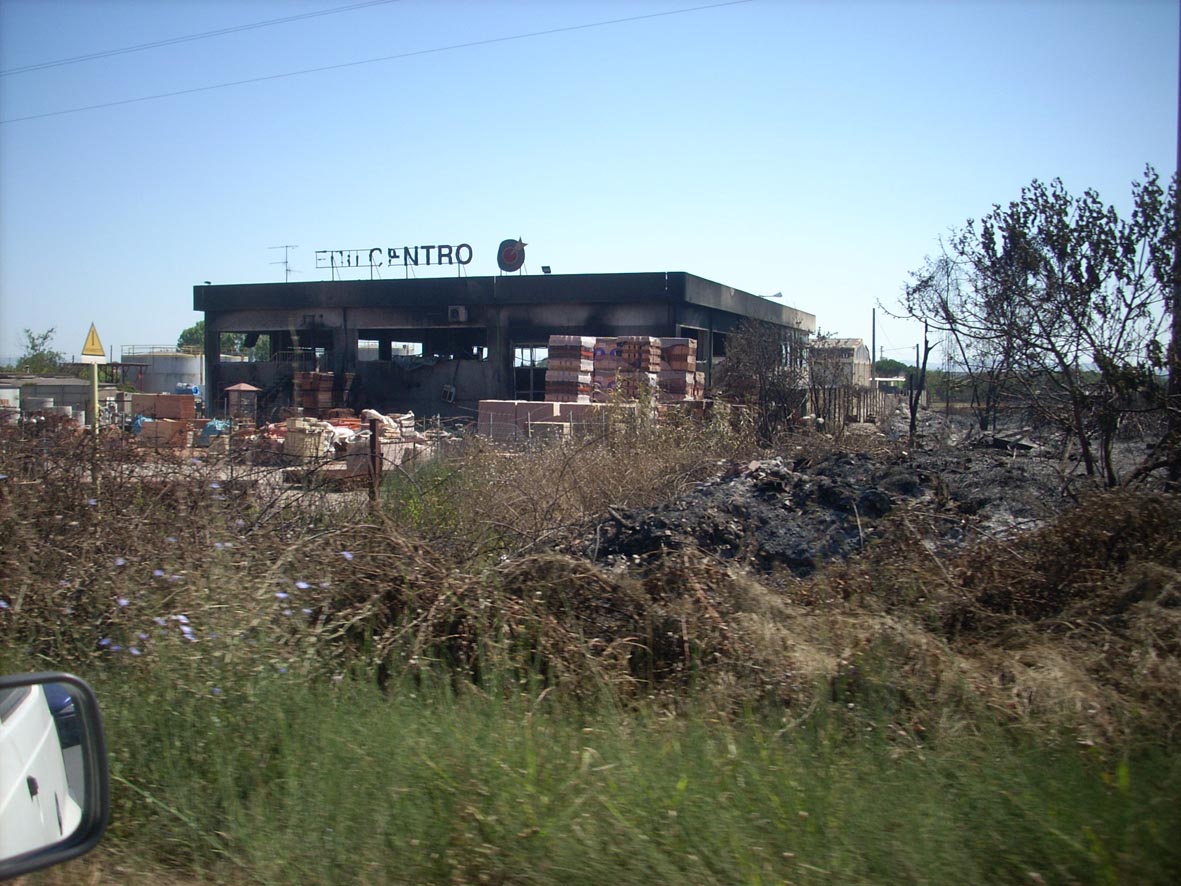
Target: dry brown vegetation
[1072,630]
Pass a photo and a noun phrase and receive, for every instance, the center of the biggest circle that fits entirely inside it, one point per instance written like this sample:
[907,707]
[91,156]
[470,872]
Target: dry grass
[1073,631]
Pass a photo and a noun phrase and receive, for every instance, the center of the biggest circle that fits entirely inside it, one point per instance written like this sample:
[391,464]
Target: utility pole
[873,347]
[1173,399]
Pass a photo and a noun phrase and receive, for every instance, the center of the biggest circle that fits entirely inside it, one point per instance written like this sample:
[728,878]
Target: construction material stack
[679,379]
[606,369]
[166,419]
[397,439]
[307,438]
[639,365]
[569,369]
[313,390]
[512,420]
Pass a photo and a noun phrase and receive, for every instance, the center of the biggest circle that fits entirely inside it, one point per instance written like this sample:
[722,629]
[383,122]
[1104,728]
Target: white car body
[37,808]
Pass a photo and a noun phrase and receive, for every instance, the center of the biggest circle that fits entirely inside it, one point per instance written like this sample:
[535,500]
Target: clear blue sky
[809,148]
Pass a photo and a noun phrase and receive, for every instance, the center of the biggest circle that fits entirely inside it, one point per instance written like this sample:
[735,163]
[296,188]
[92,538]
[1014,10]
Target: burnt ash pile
[799,511]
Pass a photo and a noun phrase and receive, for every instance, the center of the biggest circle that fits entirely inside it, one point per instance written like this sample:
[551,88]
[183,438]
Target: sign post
[94,354]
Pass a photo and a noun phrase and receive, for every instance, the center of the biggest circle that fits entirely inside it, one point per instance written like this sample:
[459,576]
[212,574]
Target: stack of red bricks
[606,369]
[569,369]
[313,390]
[639,364]
[678,369]
[179,407]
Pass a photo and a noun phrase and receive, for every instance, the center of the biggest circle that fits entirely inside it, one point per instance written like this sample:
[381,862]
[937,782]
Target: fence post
[374,462]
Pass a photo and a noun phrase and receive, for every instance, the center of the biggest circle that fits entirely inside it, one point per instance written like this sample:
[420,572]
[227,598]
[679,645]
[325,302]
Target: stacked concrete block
[313,390]
[163,433]
[569,369]
[497,420]
[178,407]
[307,438]
[507,421]
[639,372]
[530,412]
[679,379]
[606,370]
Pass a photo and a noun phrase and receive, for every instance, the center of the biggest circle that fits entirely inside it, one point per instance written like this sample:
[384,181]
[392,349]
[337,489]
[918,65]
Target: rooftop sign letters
[403,256]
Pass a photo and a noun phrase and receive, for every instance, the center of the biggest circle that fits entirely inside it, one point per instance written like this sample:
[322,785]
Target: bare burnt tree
[943,294]
[918,381]
[763,370]
[1070,299]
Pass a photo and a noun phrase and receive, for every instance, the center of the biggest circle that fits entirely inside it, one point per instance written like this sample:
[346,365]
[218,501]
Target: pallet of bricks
[606,371]
[172,418]
[569,369]
[679,379]
[639,365]
[313,390]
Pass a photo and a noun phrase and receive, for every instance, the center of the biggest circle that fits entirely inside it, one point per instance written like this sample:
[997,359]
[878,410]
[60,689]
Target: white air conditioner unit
[456,314]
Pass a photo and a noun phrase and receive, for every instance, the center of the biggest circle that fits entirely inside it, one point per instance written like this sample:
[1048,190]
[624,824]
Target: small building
[838,362]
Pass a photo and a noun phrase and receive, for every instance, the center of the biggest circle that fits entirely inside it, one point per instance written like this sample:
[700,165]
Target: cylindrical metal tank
[10,405]
[164,370]
[37,404]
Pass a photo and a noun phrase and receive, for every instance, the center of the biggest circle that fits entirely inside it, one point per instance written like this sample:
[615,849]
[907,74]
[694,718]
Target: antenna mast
[286,247]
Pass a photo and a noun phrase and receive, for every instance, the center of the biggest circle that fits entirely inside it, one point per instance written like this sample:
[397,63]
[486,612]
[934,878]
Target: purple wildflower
[134,650]
[160,621]
[119,561]
[281,595]
[158,573]
[105,641]
[348,555]
[302,585]
[123,602]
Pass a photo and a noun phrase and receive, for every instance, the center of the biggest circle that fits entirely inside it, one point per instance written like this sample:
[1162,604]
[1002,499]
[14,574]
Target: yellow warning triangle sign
[93,347]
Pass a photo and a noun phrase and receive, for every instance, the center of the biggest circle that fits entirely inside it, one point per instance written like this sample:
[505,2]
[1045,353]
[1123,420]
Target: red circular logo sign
[511,255]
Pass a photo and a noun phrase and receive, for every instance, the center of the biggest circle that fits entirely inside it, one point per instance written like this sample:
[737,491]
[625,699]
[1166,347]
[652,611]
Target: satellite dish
[511,255]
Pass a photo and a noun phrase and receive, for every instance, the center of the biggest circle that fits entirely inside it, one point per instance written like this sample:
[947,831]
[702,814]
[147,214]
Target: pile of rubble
[800,509]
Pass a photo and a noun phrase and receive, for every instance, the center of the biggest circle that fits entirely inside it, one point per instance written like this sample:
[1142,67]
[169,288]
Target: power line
[369,61]
[188,38]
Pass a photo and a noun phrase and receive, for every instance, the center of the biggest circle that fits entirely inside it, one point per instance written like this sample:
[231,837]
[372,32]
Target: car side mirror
[54,792]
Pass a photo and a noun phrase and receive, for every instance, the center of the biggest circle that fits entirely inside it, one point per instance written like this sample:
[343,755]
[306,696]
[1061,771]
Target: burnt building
[439,345]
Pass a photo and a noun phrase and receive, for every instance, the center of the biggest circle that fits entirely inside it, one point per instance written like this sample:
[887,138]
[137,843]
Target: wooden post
[374,461]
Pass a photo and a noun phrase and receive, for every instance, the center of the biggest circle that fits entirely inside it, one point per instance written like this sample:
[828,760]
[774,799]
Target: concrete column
[500,353]
[213,394]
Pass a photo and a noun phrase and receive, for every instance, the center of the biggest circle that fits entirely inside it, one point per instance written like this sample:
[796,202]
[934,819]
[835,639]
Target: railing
[138,350]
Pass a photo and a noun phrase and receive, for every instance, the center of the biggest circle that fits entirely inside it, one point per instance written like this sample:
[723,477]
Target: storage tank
[10,405]
[37,404]
[164,370]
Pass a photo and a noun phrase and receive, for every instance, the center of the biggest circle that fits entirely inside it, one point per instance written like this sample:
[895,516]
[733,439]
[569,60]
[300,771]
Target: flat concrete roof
[509,289]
